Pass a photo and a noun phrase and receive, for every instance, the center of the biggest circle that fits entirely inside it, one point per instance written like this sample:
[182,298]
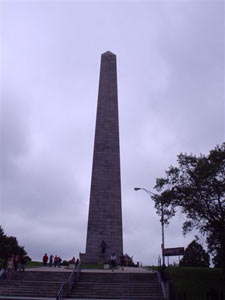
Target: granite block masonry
[104,233]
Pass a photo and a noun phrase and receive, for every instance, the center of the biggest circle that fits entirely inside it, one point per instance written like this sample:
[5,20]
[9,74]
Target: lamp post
[162,220]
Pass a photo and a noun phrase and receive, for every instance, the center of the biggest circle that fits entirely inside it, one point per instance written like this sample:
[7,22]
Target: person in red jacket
[45,259]
[56,259]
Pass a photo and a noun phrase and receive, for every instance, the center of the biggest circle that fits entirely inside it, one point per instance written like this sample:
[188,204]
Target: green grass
[92,266]
[34,264]
[194,280]
[155,268]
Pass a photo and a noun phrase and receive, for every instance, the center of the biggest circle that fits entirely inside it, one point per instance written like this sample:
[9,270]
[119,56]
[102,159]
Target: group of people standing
[56,261]
[14,263]
[52,261]
[122,261]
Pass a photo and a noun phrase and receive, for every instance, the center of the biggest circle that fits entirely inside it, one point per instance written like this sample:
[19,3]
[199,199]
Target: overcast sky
[170,61]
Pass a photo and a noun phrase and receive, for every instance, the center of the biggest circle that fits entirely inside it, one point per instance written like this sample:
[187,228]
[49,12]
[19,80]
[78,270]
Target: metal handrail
[164,285]
[78,271]
[60,292]
[70,282]
[74,276]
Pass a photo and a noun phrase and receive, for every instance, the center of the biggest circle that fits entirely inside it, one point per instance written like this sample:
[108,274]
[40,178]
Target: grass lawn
[195,280]
[155,268]
[34,264]
[92,266]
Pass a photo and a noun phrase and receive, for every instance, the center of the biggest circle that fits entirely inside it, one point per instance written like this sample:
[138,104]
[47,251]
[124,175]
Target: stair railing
[74,277]
[163,282]
[70,282]
[61,292]
[66,287]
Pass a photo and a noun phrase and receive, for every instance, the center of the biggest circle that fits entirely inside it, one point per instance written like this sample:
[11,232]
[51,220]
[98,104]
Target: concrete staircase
[33,284]
[118,286]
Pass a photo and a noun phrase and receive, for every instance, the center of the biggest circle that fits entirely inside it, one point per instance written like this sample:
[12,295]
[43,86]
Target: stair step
[117,286]
[34,284]
[91,285]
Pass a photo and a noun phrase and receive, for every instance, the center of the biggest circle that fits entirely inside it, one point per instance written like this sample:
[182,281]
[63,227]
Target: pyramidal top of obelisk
[108,53]
[104,232]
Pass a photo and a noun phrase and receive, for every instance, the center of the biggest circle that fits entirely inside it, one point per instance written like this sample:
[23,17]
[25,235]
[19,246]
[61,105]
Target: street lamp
[162,220]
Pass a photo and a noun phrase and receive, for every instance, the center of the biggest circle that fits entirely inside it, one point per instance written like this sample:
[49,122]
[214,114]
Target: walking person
[59,262]
[10,267]
[22,264]
[45,259]
[4,269]
[113,261]
[16,261]
[122,261]
[73,260]
[55,261]
[51,260]
[77,263]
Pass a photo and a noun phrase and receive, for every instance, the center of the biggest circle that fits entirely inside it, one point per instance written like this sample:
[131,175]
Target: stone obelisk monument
[104,233]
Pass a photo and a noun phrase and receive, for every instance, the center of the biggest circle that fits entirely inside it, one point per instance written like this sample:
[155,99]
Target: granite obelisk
[104,233]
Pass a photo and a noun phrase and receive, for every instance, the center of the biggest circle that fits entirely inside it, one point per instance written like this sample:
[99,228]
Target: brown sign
[173,251]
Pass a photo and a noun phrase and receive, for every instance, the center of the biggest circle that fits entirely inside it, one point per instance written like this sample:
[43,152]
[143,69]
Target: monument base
[82,257]
[106,266]
[102,259]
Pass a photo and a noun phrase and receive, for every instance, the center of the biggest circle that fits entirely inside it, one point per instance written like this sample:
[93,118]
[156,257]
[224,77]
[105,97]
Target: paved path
[50,269]
[126,270]
[64,269]
[36,298]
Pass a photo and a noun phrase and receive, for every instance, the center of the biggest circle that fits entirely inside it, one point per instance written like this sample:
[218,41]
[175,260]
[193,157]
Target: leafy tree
[214,247]
[217,259]
[9,246]
[197,187]
[195,256]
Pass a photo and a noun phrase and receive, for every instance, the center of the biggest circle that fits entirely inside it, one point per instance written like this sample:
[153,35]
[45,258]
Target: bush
[195,256]
[65,263]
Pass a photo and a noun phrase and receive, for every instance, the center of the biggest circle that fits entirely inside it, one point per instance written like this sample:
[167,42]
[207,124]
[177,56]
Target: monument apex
[108,53]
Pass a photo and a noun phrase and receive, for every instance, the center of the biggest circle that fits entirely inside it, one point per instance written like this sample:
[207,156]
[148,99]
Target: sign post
[173,251]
